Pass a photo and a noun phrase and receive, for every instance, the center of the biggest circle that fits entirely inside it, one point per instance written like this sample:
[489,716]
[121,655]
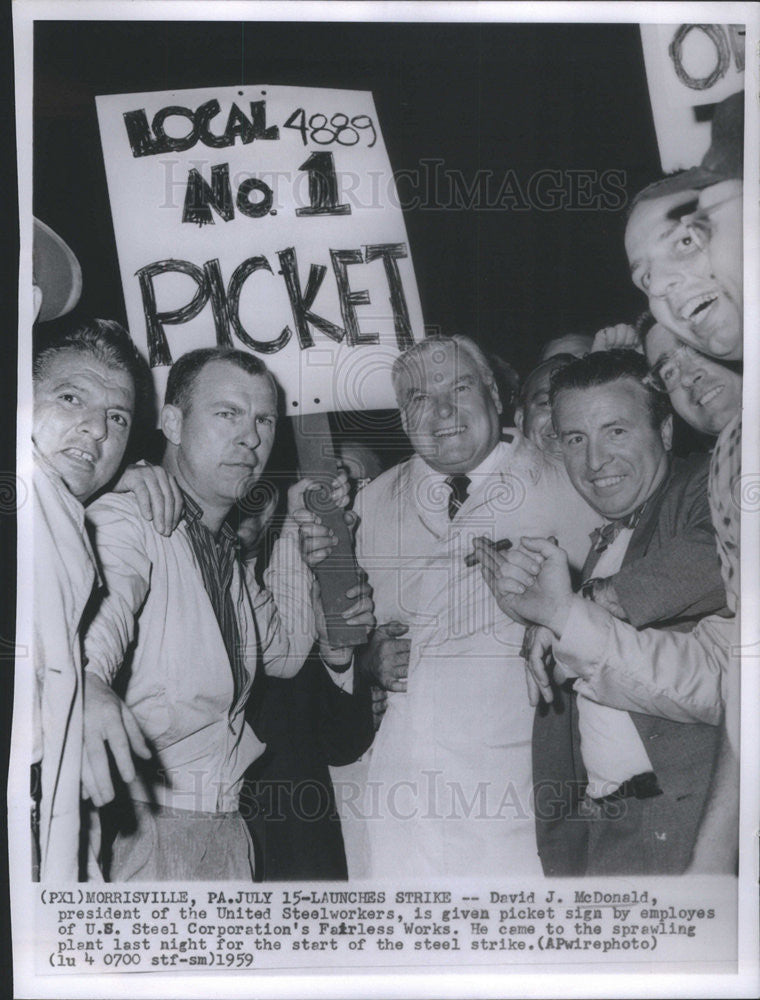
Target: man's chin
[77,481]
[726,344]
[720,338]
[243,484]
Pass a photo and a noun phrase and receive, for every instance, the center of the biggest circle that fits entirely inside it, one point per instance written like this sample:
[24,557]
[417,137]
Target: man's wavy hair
[605,367]
[109,343]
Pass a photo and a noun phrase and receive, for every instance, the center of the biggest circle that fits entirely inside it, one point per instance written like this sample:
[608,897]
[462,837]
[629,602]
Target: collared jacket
[64,580]
[671,682]
[672,674]
[157,620]
[450,765]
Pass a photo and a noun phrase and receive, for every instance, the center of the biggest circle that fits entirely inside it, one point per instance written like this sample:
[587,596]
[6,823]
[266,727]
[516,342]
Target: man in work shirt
[200,625]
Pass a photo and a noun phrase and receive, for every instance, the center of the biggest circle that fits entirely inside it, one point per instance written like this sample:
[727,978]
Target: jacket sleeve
[345,728]
[283,607]
[680,578]
[119,540]
[674,675]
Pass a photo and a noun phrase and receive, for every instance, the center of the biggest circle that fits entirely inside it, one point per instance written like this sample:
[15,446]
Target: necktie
[458,483]
[602,538]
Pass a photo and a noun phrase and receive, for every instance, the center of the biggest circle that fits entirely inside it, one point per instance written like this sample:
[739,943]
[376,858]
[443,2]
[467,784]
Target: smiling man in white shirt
[449,780]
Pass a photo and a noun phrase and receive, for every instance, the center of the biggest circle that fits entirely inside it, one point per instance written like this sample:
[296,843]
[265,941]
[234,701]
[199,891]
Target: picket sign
[689,67]
[265,217]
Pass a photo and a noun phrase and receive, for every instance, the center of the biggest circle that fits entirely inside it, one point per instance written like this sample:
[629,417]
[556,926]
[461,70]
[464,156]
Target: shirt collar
[486,467]
[192,513]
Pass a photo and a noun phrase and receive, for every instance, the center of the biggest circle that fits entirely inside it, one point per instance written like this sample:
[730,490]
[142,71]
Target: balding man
[449,789]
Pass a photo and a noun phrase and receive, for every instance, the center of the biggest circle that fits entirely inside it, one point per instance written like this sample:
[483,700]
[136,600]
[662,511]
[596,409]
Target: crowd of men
[549,683]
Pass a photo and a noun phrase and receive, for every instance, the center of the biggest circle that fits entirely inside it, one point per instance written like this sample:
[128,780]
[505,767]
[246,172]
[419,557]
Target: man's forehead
[539,380]
[621,394]
[226,376]
[438,364]
[540,383]
[72,365]
[654,216]
[658,342]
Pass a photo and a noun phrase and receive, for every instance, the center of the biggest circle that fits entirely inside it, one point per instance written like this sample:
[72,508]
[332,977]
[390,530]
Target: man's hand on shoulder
[157,493]
[107,720]
[622,335]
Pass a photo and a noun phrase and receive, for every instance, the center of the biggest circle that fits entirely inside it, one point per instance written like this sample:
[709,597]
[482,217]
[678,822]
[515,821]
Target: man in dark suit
[622,792]
[308,723]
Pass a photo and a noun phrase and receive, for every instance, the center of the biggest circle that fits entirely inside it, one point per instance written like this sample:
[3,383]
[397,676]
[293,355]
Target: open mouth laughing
[697,309]
[709,395]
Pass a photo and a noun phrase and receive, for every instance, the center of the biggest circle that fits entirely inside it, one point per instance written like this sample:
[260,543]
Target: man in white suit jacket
[449,788]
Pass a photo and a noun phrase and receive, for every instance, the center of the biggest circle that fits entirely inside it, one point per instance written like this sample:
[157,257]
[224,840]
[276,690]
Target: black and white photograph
[383,624]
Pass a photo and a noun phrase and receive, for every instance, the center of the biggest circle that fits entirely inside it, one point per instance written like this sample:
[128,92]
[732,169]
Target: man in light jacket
[85,385]
[449,783]
[191,626]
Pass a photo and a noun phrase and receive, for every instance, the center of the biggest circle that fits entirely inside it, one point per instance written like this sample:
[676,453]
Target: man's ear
[171,423]
[495,397]
[666,432]
[519,418]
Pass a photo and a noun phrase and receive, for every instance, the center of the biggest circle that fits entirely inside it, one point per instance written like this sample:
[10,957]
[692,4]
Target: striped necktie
[458,483]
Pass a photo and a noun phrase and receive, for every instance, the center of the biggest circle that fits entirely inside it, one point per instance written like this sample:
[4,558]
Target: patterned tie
[458,483]
[602,538]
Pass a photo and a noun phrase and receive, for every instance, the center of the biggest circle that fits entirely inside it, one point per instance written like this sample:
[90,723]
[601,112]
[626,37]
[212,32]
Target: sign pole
[339,571]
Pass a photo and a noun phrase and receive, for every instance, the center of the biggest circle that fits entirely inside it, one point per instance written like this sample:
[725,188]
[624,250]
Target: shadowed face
[577,344]
[83,411]
[449,413]
[614,456]
[534,416]
[702,391]
[685,252]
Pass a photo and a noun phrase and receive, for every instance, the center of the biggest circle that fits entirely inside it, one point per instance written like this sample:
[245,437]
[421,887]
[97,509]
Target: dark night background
[479,97]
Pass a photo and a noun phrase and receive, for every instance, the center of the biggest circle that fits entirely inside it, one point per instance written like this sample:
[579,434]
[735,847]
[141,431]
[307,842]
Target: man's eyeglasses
[666,373]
